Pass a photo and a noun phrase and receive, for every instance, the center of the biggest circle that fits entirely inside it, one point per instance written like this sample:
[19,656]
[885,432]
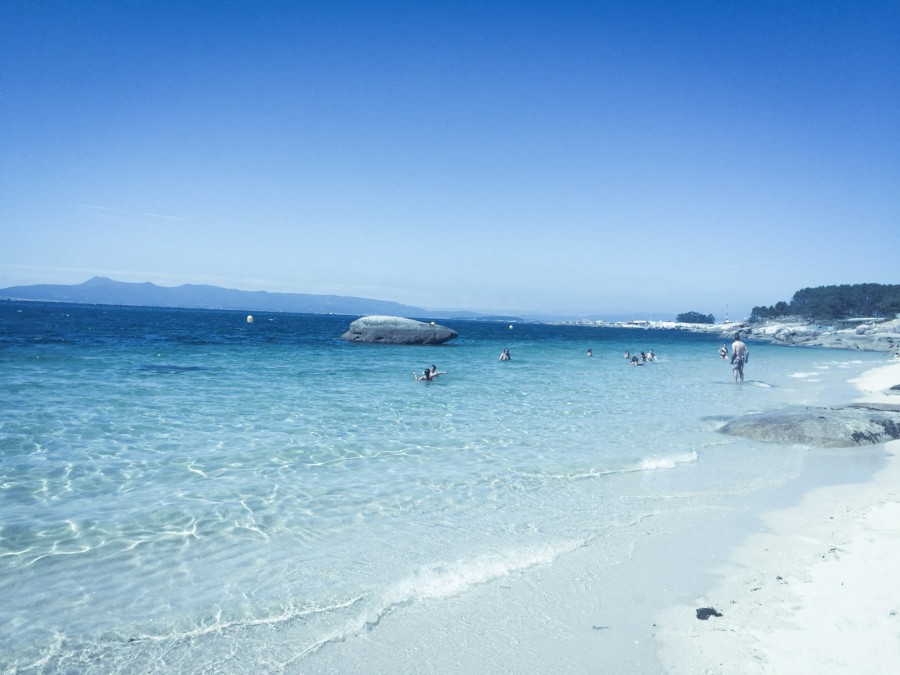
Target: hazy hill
[103,291]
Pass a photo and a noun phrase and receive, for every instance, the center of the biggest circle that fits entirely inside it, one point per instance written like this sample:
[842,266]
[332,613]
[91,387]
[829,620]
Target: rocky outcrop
[870,335]
[840,427]
[396,330]
[865,334]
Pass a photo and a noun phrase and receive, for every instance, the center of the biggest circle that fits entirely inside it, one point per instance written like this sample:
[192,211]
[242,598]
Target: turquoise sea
[184,491]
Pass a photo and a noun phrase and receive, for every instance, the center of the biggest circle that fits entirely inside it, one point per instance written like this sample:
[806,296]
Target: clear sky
[523,156]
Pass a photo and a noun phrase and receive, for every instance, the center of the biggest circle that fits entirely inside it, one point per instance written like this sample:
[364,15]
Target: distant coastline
[104,291]
[867,334]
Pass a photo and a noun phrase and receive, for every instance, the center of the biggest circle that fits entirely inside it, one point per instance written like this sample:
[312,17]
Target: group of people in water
[644,357]
[740,355]
[430,373]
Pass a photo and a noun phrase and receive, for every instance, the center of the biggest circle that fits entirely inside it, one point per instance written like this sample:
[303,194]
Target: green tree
[695,317]
[827,303]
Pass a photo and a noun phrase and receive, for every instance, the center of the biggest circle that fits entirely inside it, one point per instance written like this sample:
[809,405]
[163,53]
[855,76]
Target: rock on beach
[838,427]
[396,330]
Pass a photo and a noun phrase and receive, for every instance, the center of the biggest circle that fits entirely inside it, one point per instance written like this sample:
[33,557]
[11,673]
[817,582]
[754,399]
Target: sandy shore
[811,588]
[816,590]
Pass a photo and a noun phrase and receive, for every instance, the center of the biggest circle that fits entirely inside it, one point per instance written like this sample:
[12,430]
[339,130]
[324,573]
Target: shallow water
[181,489]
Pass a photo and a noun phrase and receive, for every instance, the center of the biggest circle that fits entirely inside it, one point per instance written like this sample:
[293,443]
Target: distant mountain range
[103,291]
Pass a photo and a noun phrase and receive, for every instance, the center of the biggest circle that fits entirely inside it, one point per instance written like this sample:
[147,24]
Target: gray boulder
[839,427]
[396,330]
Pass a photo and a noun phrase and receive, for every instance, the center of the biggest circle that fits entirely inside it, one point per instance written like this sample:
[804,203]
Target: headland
[868,334]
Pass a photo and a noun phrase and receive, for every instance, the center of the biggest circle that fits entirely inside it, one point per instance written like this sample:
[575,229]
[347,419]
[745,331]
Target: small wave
[168,369]
[648,464]
[840,364]
[120,650]
[217,624]
[443,580]
[804,375]
[435,581]
[592,473]
[656,463]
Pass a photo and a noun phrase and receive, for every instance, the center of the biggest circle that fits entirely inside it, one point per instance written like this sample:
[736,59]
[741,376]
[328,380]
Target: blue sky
[532,157]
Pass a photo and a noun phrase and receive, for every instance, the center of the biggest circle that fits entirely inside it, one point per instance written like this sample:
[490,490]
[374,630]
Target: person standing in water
[740,355]
[723,352]
[505,355]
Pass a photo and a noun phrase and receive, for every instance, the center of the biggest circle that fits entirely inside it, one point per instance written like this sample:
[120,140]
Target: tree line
[695,317]
[836,302]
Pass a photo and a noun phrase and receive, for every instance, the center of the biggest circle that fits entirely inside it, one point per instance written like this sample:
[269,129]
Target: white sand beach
[815,590]
[875,385]
[807,588]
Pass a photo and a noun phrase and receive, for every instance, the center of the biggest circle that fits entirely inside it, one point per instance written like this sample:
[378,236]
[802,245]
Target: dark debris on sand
[703,613]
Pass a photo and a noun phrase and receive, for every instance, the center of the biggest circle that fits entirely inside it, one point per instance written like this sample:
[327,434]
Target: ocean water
[184,491]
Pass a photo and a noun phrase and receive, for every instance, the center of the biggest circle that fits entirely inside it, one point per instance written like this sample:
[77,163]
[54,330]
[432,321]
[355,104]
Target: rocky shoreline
[865,334]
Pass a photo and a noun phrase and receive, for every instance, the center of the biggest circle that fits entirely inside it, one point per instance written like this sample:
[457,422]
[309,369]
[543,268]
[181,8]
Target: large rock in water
[838,427]
[395,330]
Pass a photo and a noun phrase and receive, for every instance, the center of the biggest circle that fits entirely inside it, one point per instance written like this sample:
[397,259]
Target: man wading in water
[739,356]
